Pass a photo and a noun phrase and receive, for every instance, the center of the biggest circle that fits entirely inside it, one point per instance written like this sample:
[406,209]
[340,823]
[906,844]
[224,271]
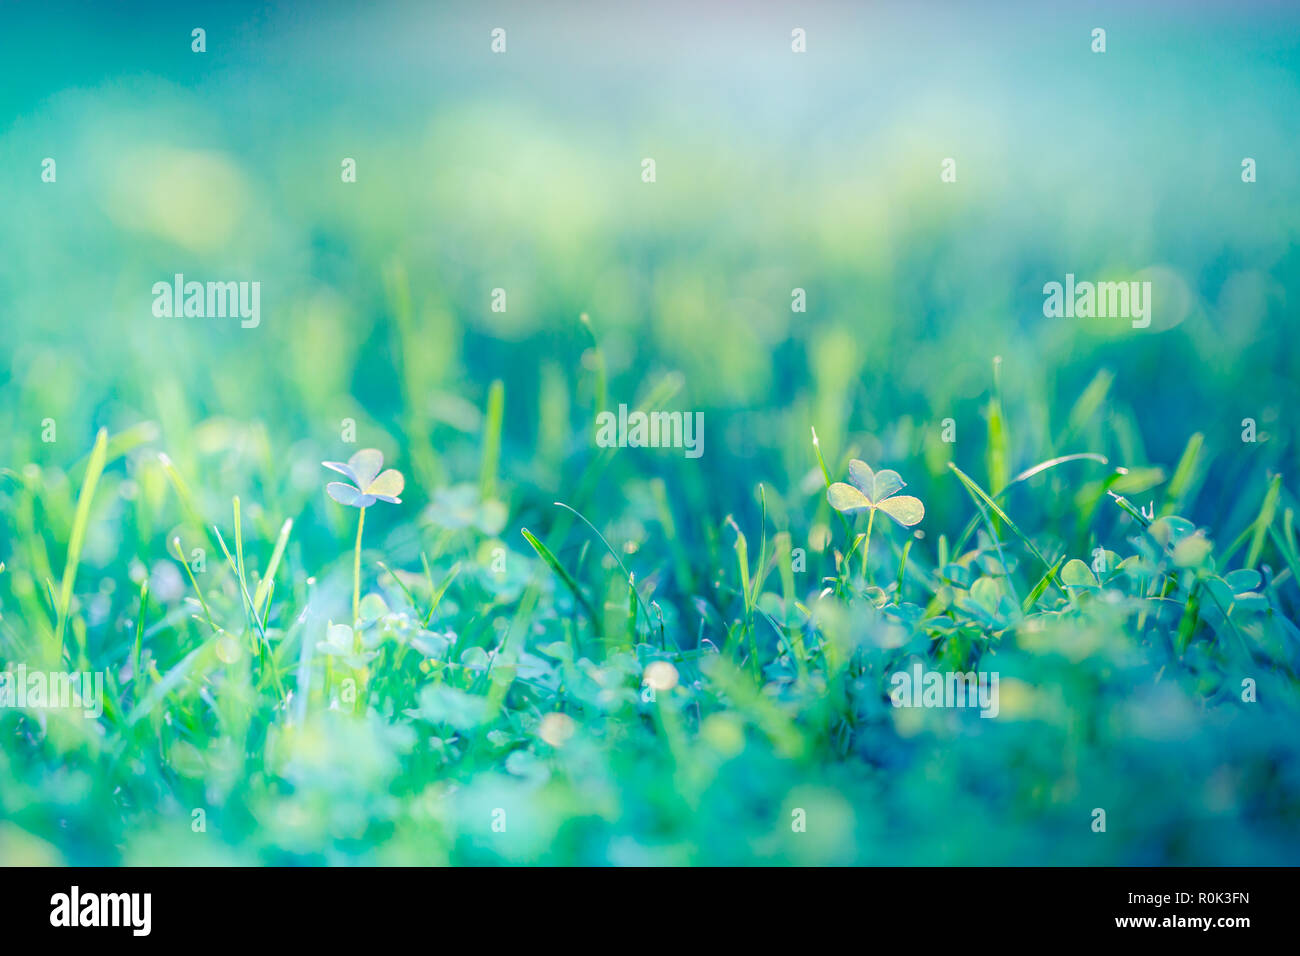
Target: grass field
[488,635]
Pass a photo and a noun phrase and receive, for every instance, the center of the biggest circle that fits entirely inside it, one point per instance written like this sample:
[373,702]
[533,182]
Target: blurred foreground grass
[674,690]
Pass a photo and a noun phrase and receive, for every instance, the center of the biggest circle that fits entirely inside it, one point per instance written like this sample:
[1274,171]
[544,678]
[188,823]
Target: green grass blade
[118,445]
[262,596]
[398,581]
[139,637]
[902,570]
[997,452]
[1185,471]
[614,555]
[492,440]
[553,562]
[438,594]
[1129,509]
[1088,403]
[599,392]
[1024,476]
[1264,521]
[77,539]
[976,490]
[1032,598]
[200,658]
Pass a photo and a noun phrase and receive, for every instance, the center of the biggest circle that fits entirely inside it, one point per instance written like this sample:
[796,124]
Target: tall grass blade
[77,538]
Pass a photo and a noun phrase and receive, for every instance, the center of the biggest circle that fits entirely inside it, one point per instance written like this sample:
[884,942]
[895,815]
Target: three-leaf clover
[369,483]
[869,491]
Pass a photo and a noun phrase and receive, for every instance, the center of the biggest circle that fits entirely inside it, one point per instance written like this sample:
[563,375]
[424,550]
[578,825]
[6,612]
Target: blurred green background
[522,171]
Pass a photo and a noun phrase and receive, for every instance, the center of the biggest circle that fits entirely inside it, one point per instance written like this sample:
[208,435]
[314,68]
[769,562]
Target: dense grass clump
[455,687]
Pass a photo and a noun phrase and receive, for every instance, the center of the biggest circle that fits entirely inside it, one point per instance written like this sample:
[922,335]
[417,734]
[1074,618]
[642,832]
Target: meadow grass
[458,688]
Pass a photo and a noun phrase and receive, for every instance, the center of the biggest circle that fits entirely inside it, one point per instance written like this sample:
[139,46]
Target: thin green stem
[356,575]
[194,584]
[866,546]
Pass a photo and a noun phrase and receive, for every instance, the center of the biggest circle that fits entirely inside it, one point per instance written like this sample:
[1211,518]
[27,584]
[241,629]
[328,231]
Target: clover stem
[356,576]
[866,545]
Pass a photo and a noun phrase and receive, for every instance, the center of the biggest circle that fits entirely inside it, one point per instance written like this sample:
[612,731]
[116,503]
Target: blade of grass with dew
[189,572]
[826,476]
[1089,496]
[554,563]
[262,595]
[250,612]
[1128,508]
[1032,597]
[614,555]
[1025,475]
[976,490]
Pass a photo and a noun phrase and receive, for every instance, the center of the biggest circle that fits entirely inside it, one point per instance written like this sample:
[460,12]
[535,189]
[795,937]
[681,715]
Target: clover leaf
[369,482]
[869,491]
